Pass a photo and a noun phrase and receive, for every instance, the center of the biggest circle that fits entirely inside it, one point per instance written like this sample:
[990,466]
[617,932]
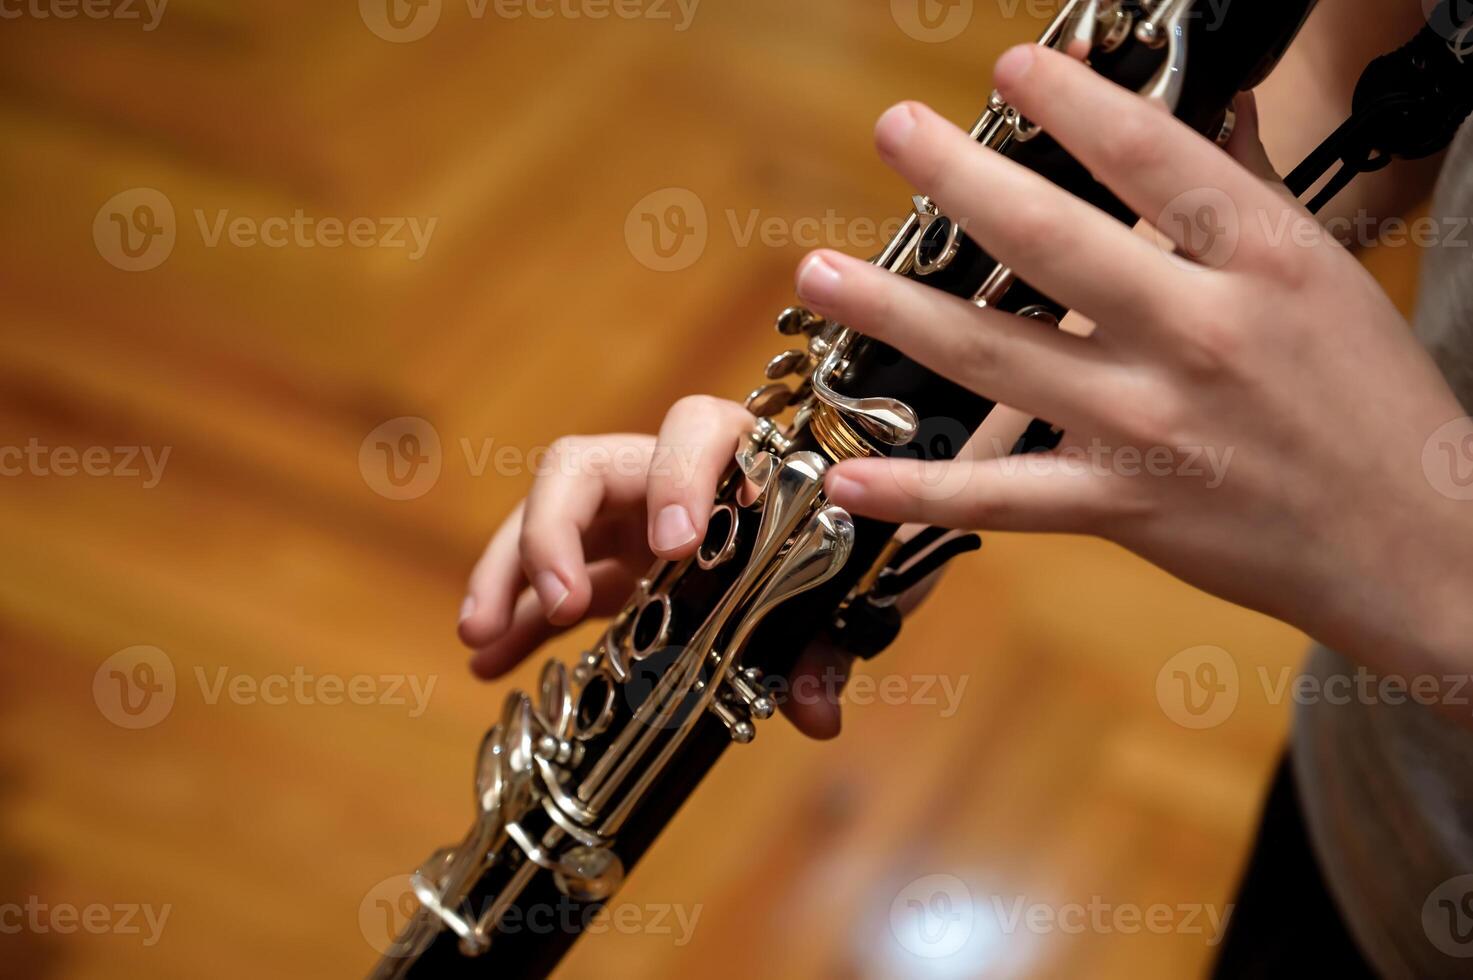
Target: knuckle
[1211,346]
[1154,420]
[987,510]
[566,450]
[696,407]
[1126,502]
[1033,237]
[578,457]
[932,154]
[889,306]
[715,415]
[1036,229]
[1134,143]
[981,356]
[1296,266]
[532,541]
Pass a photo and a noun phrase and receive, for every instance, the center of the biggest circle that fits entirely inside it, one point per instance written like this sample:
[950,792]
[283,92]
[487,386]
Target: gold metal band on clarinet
[836,437]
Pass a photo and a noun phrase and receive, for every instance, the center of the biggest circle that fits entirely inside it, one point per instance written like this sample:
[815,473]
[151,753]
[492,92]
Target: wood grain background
[272,833]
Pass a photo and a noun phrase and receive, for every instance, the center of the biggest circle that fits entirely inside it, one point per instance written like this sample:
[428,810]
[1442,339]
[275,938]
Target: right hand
[599,508]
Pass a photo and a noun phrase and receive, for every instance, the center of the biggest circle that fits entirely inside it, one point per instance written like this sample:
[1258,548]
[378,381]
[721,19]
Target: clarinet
[574,783]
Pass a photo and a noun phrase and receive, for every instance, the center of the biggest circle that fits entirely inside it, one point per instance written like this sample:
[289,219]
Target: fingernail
[1013,66]
[818,281]
[550,590]
[673,528]
[893,130]
[840,488]
[467,608]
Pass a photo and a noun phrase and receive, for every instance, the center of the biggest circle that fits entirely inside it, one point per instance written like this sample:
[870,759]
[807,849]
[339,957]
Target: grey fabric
[1388,788]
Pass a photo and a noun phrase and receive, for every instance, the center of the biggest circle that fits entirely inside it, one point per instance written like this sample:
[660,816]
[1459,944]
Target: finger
[812,703]
[1047,372]
[1042,492]
[498,578]
[696,444]
[528,628]
[1148,157]
[1246,145]
[1056,242]
[486,610]
[580,477]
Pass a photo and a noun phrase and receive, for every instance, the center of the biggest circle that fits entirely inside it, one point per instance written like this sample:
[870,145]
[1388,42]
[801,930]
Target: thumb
[815,689]
[1246,145]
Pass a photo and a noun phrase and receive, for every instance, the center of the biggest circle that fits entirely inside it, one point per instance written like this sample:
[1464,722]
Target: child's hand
[1253,421]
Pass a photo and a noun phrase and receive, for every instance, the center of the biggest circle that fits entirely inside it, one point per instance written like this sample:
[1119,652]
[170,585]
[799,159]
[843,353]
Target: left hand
[1254,425]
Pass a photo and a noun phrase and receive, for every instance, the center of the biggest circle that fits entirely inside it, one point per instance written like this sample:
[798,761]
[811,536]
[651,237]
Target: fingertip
[1014,66]
[814,704]
[820,279]
[894,128]
[845,486]
[470,634]
[820,722]
[479,623]
[673,531]
[487,665]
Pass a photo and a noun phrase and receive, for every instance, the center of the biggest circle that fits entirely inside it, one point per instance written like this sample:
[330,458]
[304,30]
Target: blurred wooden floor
[265,549]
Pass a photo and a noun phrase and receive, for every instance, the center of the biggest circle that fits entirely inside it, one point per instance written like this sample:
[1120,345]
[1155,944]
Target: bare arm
[1309,95]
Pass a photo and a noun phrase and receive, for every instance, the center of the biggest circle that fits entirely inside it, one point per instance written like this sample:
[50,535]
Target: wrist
[1407,610]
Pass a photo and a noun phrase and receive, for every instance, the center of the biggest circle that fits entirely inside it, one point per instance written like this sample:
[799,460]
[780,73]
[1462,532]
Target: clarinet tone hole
[651,626]
[939,244]
[595,707]
[721,538]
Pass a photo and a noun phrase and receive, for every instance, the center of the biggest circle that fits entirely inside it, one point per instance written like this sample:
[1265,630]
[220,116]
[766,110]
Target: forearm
[1309,95]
